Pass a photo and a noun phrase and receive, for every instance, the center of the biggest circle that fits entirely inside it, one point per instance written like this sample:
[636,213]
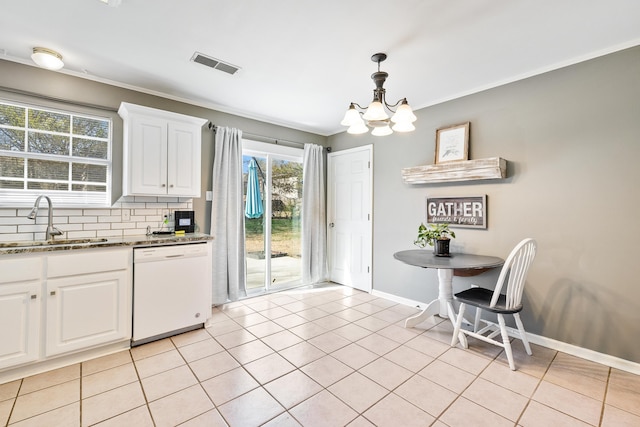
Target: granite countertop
[94,243]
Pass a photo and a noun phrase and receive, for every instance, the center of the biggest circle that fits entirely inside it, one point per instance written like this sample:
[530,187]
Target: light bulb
[375,112]
[351,117]
[358,128]
[404,113]
[382,131]
[403,127]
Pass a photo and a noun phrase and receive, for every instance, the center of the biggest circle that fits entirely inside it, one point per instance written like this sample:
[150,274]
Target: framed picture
[452,143]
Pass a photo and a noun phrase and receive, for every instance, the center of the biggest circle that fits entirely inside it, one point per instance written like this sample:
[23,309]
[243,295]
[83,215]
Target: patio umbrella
[253,204]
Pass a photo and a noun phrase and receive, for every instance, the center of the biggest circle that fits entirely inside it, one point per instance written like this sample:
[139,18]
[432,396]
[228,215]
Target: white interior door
[349,207]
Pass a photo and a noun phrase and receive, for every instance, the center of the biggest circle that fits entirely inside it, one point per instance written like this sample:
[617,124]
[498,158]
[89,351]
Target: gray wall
[50,84]
[572,140]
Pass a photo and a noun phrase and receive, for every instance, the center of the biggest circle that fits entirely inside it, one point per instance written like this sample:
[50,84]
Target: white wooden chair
[514,274]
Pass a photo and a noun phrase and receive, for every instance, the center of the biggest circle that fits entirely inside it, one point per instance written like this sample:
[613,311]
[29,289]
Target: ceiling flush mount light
[375,115]
[47,58]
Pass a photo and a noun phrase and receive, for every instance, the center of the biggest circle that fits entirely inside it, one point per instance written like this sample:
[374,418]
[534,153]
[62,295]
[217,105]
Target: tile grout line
[216,407]
[15,401]
[80,397]
[538,386]
[466,388]
[144,394]
[604,398]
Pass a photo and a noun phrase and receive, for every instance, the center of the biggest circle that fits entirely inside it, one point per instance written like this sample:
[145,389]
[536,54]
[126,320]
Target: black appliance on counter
[184,221]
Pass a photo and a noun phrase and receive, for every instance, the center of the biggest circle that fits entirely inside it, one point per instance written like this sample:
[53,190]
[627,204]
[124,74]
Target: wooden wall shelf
[468,170]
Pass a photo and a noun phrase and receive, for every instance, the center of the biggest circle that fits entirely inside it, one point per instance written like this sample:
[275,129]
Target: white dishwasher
[171,290]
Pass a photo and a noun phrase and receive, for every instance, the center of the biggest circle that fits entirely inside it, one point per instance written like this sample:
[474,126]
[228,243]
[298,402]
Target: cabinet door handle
[164,185]
[34,296]
[52,293]
[171,186]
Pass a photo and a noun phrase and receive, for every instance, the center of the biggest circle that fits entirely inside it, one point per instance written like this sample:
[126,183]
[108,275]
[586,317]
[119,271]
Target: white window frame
[69,198]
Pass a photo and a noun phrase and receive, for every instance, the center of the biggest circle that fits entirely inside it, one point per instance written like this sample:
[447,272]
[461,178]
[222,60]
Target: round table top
[426,259]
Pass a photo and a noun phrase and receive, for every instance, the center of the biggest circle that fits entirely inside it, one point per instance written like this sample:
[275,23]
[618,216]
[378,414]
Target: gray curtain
[314,240]
[227,217]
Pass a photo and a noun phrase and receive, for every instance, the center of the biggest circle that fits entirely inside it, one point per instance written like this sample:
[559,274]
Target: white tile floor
[327,356]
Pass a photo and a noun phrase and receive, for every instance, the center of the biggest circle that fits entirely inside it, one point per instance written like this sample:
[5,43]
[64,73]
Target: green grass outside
[285,235]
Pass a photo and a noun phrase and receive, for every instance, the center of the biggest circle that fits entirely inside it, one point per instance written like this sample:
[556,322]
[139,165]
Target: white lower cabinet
[20,307]
[87,310]
[57,303]
[88,299]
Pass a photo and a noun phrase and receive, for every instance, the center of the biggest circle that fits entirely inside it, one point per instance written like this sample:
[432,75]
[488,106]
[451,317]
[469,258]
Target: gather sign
[468,211]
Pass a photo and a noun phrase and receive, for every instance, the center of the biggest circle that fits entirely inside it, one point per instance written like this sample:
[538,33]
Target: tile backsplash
[129,216]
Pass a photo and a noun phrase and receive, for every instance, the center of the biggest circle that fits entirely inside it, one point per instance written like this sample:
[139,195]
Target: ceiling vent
[214,63]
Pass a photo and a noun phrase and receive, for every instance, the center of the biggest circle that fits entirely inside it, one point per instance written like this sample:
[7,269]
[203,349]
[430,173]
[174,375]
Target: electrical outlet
[166,214]
[126,214]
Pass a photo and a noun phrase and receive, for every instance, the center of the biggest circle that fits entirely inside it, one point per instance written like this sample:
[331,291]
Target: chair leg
[523,333]
[506,342]
[456,330]
[476,321]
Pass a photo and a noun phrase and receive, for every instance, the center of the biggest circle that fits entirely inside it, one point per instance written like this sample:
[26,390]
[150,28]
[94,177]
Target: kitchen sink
[52,242]
[75,241]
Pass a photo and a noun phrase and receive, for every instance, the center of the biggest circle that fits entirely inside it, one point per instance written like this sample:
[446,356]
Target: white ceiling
[303,62]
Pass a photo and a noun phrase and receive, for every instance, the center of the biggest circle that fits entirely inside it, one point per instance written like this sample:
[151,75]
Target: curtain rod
[55,99]
[276,140]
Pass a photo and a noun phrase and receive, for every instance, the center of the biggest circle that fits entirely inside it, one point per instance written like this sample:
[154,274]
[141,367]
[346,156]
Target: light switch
[208,196]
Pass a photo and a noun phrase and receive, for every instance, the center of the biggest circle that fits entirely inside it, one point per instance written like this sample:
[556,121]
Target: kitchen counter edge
[133,241]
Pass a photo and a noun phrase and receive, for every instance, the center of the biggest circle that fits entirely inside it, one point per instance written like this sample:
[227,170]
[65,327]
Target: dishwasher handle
[169,252]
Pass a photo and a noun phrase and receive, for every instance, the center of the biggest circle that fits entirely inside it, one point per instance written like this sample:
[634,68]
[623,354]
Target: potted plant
[436,235]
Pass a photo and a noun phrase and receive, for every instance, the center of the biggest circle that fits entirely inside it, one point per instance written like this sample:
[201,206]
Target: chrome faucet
[51,230]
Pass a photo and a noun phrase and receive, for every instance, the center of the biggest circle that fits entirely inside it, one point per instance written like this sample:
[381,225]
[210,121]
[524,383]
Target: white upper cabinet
[161,153]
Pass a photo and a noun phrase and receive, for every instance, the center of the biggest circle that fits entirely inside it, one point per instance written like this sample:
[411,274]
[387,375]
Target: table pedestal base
[443,306]
[432,309]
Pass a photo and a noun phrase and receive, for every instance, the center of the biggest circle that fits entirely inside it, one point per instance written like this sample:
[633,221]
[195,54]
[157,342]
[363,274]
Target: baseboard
[585,353]
[399,300]
[574,350]
[38,367]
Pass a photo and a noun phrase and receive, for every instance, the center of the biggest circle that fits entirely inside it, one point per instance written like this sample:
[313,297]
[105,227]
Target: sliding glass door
[272,178]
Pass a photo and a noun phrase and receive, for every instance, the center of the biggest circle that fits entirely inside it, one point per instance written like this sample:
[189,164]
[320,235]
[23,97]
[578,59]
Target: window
[64,155]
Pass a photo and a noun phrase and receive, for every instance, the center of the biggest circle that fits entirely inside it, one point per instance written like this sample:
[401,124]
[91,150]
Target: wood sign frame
[463,212]
[452,143]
